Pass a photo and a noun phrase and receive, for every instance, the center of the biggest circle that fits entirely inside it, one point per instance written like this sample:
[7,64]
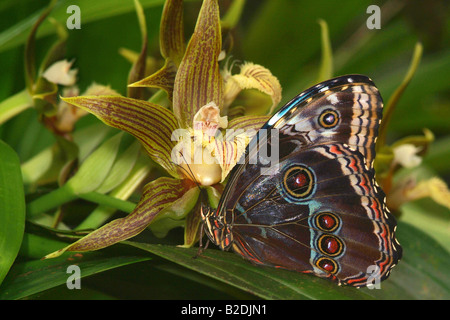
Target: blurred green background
[283,36]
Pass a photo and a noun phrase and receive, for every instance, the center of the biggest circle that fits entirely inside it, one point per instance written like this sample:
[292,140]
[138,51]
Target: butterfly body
[318,208]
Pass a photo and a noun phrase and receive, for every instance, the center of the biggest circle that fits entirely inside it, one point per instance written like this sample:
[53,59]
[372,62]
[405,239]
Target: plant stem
[65,194]
[50,200]
[14,105]
[109,201]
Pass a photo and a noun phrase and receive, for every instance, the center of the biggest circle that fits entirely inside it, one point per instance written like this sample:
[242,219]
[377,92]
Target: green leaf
[31,277]
[264,282]
[431,218]
[96,167]
[122,191]
[14,105]
[121,168]
[12,208]
[231,18]
[421,274]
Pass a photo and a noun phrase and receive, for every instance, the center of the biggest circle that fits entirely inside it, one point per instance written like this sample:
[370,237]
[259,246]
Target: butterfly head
[217,231]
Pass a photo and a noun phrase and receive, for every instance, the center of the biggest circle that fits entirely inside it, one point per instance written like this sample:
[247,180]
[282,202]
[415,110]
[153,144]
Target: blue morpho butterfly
[318,209]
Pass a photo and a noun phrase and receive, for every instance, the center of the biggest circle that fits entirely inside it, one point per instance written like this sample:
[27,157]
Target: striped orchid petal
[171,46]
[252,76]
[162,79]
[158,195]
[152,124]
[248,122]
[198,80]
[171,35]
[228,151]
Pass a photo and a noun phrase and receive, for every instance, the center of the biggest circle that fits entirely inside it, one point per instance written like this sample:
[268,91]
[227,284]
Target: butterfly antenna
[189,171]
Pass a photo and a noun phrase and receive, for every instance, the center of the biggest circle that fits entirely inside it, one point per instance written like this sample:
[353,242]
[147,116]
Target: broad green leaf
[431,218]
[121,168]
[123,191]
[89,138]
[264,282]
[49,161]
[94,170]
[12,208]
[198,81]
[421,274]
[152,124]
[31,277]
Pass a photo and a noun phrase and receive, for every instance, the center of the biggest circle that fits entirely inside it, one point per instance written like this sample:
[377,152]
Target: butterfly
[318,209]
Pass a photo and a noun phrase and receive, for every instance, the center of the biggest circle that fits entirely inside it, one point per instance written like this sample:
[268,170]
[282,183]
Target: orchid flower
[201,96]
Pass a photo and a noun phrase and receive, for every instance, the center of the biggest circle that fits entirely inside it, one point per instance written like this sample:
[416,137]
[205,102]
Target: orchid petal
[434,188]
[229,150]
[60,73]
[171,36]
[248,122]
[164,79]
[408,189]
[253,76]
[172,49]
[152,124]
[157,195]
[198,80]
[208,119]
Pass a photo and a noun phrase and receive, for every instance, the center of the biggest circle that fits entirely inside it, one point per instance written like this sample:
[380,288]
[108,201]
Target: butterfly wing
[317,208]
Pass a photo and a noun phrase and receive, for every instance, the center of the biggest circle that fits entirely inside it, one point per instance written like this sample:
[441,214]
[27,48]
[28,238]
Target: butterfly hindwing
[317,209]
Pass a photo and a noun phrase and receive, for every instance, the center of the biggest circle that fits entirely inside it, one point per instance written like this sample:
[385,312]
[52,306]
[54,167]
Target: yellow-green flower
[201,95]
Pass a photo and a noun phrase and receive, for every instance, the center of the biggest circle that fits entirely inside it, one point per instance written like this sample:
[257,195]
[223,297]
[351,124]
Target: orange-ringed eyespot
[328,119]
